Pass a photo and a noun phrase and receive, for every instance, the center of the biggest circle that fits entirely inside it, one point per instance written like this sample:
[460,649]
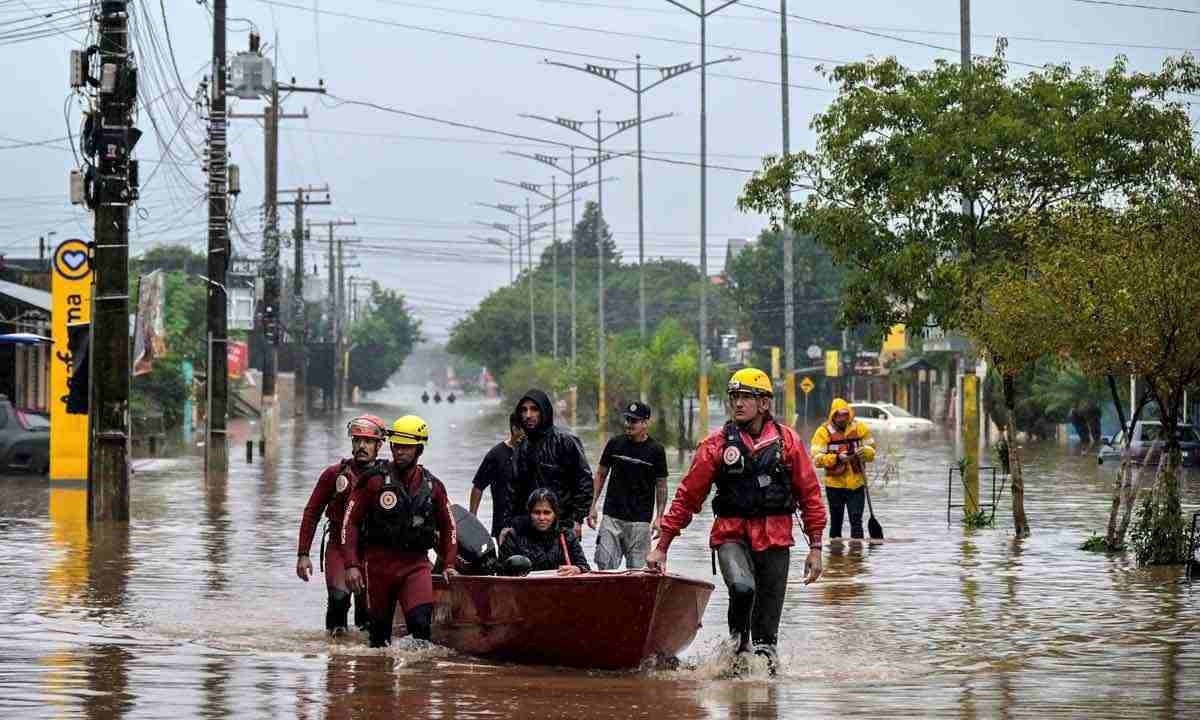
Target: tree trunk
[1016,476]
[1125,480]
[1130,492]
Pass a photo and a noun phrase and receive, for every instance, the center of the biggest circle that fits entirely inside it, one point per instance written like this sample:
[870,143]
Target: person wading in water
[762,474]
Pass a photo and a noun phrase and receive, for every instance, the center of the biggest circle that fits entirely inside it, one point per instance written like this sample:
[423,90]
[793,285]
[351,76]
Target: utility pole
[115,189]
[598,138]
[517,239]
[216,446]
[574,187]
[270,116]
[703,16]
[334,307]
[789,277]
[299,327]
[611,74]
[529,279]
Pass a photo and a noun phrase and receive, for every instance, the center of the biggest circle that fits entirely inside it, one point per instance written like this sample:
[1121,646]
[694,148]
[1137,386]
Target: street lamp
[611,74]
[703,15]
[599,138]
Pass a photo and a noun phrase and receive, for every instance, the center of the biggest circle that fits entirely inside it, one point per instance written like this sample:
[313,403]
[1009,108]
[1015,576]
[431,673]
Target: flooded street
[194,609]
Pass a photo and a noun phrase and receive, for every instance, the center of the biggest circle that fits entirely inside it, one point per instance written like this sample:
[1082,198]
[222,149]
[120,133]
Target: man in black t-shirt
[637,495]
[496,471]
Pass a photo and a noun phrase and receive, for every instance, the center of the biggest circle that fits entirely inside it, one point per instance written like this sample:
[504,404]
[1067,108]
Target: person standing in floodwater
[403,515]
[762,473]
[635,466]
[843,446]
[496,471]
[330,496]
[552,458]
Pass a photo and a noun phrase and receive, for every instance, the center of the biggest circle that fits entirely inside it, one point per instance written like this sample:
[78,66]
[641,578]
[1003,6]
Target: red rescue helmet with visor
[366,426]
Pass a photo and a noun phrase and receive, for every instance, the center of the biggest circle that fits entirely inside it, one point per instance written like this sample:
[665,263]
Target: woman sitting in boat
[538,537]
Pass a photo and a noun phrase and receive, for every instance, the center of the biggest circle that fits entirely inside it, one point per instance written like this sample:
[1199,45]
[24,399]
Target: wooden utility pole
[299,326]
[108,405]
[334,307]
[270,116]
[216,447]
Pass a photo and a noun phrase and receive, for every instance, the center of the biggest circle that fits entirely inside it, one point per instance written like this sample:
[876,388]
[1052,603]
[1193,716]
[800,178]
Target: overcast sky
[411,184]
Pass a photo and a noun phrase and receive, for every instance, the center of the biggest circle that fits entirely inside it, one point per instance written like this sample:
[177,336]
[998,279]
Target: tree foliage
[382,338]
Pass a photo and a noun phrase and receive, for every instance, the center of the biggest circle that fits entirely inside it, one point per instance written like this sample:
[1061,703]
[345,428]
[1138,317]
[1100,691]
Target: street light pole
[611,74]
[789,279]
[599,138]
[703,380]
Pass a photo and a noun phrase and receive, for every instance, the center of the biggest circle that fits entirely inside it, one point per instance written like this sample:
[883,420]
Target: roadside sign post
[806,387]
[71,304]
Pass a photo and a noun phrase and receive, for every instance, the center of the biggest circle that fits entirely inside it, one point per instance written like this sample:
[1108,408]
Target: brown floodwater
[193,609]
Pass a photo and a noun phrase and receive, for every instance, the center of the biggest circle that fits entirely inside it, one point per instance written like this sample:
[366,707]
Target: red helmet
[366,426]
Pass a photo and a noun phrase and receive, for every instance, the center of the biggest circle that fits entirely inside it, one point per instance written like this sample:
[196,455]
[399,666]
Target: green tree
[382,338]
[756,288]
[899,153]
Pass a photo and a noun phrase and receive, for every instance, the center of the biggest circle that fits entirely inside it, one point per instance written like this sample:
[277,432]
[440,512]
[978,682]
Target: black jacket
[544,549]
[550,457]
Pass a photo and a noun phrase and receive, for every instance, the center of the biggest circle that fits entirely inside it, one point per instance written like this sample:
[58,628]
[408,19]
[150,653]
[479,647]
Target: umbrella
[24,339]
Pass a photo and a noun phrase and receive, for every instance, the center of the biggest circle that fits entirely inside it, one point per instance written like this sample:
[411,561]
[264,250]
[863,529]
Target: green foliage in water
[1097,543]
[1159,534]
[978,519]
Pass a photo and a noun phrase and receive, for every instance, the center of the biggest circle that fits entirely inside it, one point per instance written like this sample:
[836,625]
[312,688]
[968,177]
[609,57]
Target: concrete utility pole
[521,238]
[333,403]
[611,74]
[343,315]
[574,187]
[599,138]
[216,446]
[703,16]
[298,331]
[271,115]
[115,190]
[552,199]
[789,270]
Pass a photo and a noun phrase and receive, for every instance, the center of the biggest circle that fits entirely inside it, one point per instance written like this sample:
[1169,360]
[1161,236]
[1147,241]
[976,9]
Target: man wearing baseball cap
[637,493]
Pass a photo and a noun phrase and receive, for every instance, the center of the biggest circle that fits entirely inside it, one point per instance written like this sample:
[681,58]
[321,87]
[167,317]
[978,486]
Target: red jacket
[327,497]
[760,533]
[368,492]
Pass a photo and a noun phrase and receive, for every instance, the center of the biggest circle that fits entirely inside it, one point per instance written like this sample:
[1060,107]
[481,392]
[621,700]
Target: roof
[916,363]
[39,299]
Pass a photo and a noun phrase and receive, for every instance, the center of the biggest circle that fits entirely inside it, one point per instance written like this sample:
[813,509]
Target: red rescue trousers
[396,576]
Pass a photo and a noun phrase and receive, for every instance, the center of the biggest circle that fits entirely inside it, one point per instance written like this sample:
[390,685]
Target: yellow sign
[807,385]
[833,363]
[71,287]
[775,364]
[896,342]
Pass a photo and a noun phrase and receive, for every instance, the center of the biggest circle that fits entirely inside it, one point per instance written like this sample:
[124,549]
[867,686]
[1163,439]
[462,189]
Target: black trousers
[757,582]
[852,500]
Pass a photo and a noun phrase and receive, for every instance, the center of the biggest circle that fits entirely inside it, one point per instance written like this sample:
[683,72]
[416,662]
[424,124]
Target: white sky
[411,184]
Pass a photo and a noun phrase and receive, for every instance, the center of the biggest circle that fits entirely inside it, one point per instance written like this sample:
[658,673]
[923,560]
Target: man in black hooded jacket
[551,458]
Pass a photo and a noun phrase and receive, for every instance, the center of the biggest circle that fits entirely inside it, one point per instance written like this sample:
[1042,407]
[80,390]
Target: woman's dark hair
[514,422]
[543,495]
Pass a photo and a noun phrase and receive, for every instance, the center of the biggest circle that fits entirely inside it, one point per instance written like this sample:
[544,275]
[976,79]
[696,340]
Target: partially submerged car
[886,416]
[1148,435]
[24,440]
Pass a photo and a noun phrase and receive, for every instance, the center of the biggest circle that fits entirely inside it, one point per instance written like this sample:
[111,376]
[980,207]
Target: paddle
[874,529]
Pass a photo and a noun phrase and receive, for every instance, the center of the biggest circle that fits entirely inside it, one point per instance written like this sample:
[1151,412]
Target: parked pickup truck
[1148,434]
[24,440]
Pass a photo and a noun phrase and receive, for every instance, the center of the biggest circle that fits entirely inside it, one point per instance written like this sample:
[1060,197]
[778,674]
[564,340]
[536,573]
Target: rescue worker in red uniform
[330,495]
[762,473]
[399,517]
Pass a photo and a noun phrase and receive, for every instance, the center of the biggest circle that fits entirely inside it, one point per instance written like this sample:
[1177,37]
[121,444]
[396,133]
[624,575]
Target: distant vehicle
[886,416]
[24,440]
[1148,434]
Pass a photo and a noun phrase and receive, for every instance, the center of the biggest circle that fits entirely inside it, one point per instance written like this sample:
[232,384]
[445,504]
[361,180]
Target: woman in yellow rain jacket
[843,446]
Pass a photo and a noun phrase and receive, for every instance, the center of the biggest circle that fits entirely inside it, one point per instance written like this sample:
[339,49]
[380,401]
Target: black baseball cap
[639,410]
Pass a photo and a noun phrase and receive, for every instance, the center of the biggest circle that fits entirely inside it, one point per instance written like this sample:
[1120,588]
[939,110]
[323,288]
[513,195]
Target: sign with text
[237,355]
[71,293]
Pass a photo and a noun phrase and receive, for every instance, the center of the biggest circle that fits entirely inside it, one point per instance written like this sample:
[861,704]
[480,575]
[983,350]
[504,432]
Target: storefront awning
[33,297]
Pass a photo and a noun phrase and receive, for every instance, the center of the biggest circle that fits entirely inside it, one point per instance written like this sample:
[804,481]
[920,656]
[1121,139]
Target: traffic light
[79,339]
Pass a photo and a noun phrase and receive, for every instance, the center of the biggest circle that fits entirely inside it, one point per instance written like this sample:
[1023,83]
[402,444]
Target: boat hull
[597,620]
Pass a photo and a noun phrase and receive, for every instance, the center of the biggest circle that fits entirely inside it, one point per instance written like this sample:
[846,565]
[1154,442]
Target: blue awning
[24,339]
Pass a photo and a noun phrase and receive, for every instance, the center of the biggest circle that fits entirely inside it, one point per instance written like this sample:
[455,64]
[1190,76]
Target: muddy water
[193,608]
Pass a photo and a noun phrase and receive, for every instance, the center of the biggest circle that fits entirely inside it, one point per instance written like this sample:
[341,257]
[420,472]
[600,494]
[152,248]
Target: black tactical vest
[752,485]
[400,520]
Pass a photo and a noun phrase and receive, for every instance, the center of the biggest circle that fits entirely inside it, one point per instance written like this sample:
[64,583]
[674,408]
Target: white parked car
[886,416]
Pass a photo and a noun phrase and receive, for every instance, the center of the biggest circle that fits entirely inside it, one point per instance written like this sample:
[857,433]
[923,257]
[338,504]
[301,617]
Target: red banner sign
[238,357]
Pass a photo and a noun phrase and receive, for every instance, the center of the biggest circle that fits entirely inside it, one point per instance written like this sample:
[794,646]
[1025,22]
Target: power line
[1138,6]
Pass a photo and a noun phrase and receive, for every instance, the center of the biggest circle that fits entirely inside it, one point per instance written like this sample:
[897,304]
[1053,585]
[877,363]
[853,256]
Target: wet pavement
[193,608]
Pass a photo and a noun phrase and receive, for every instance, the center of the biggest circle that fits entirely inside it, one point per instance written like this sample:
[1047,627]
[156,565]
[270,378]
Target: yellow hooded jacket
[827,442]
